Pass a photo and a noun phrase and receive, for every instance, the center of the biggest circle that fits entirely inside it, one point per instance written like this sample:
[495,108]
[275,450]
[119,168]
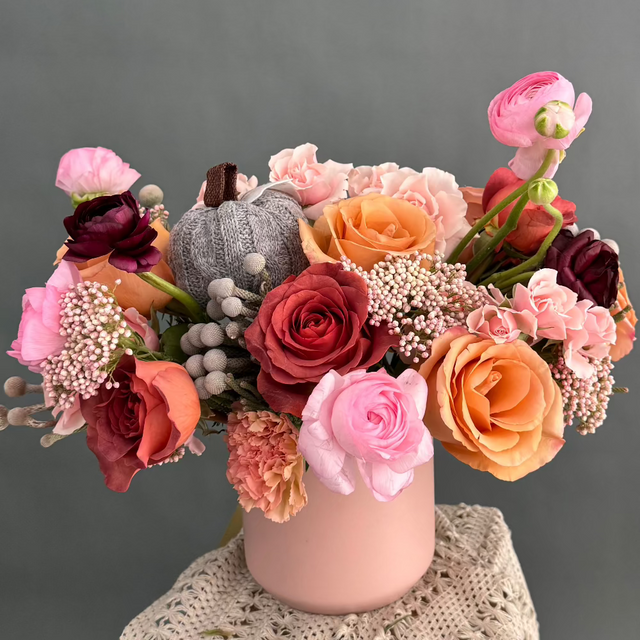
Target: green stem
[510,224]
[523,277]
[536,260]
[512,197]
[477,274]
[191,305]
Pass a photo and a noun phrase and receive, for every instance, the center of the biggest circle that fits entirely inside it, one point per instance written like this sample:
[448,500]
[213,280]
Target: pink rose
[95,171]
[512,114]
[553,305]
[39,333]
[368,422]
[365,179]
[243,185]
[501,324]
[317,184]
[436,192]
[138,323]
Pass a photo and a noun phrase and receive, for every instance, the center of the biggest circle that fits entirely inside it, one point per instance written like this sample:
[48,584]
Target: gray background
[176,87]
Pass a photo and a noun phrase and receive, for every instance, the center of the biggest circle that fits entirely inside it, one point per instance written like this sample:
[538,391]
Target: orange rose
[366,229]
[625,328]
[494,406]
[133,291]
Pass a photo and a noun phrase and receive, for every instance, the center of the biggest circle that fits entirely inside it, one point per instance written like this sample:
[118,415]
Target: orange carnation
[366,229]
[493,406]
[625,328]
[133,291]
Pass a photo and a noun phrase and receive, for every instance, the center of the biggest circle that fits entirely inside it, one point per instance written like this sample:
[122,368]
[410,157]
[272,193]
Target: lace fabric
[473,590]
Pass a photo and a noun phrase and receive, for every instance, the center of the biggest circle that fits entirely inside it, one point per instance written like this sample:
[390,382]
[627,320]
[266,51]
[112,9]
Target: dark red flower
[112,225]
[535,222]
[309,325]
[587,266]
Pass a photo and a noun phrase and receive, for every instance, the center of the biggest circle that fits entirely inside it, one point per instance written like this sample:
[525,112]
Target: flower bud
[555,120]
[543,191]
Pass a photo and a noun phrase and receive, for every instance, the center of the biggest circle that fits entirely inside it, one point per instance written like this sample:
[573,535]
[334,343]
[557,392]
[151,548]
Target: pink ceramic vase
[345,554]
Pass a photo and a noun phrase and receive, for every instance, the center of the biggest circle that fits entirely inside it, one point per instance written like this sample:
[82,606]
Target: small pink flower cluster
[93,325]
[156,213]
[418,303]
[585,398]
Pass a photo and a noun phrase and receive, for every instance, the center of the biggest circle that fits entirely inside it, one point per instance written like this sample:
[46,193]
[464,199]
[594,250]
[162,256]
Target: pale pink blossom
[512,113]
[317,184]
[365,179]
[436,192]
[366,422]
[140,325]
[94,170]
[501,324]
[554,306]
[71,418]
[243,185]
[39,332]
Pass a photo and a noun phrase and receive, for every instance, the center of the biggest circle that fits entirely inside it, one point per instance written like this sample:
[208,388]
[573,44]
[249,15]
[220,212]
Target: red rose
[535,223]
[309,325]
[153,412]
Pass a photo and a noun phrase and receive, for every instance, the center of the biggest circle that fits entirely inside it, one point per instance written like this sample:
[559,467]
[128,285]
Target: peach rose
[625,328]
[493,406]
[133,291]
[366,229]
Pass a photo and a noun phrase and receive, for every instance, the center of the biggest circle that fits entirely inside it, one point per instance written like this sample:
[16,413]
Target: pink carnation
[365,179]
[367,422]
[39,332]
[317,184]
[96,171]
[501,324]
[436,192]
[512,113]
[265,466]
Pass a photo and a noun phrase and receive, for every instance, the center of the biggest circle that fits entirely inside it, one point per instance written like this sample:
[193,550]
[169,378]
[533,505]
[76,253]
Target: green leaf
[219,633]
[170,342]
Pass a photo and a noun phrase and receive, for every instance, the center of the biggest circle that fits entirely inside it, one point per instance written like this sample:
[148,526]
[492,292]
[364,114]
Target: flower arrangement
[335,319]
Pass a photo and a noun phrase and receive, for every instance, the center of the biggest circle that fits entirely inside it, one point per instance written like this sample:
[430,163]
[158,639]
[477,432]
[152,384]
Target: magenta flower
[39,333]
[366,422]
[94,171]
[112,225]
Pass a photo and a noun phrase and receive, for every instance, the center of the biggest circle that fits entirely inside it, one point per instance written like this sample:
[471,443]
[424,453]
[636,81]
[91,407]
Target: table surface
[474,589]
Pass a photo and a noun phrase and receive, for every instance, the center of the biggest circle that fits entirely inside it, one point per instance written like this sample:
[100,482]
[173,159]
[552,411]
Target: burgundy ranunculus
[309,325]
[112,225]
[587,266]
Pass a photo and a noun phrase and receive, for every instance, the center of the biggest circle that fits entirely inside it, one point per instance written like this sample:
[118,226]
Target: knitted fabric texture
[473,590]
[212,243]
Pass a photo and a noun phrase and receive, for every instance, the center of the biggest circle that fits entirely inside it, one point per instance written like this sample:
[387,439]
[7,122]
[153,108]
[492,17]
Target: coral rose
[307,326]
[132,291]
[625,326]
[493,406]
[152,413]
[535,223]
[265,466]
[366,229]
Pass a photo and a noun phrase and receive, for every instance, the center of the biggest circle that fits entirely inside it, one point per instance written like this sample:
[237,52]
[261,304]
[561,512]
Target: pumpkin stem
[221,184]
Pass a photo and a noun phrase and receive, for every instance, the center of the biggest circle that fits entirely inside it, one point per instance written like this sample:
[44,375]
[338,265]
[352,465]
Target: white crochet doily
[473,590]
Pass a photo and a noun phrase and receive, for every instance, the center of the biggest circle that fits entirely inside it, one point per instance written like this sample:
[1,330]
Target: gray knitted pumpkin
[212,242]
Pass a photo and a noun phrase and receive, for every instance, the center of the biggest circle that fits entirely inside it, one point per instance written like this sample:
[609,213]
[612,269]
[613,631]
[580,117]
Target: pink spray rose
[436,192]
[39,333]
[512,114]
[364,180]
[243,185]
[95,171]
[138,323]
[501,324]
[317,184]
[366,422]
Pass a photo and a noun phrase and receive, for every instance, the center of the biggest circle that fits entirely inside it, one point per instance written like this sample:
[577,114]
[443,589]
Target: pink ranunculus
[368,422]
[94,170]
[436,192]
[512,113]
[501,324]
[365,179]
[140,325]
[316,183]
[39,333]
[554,306]
[243,185]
